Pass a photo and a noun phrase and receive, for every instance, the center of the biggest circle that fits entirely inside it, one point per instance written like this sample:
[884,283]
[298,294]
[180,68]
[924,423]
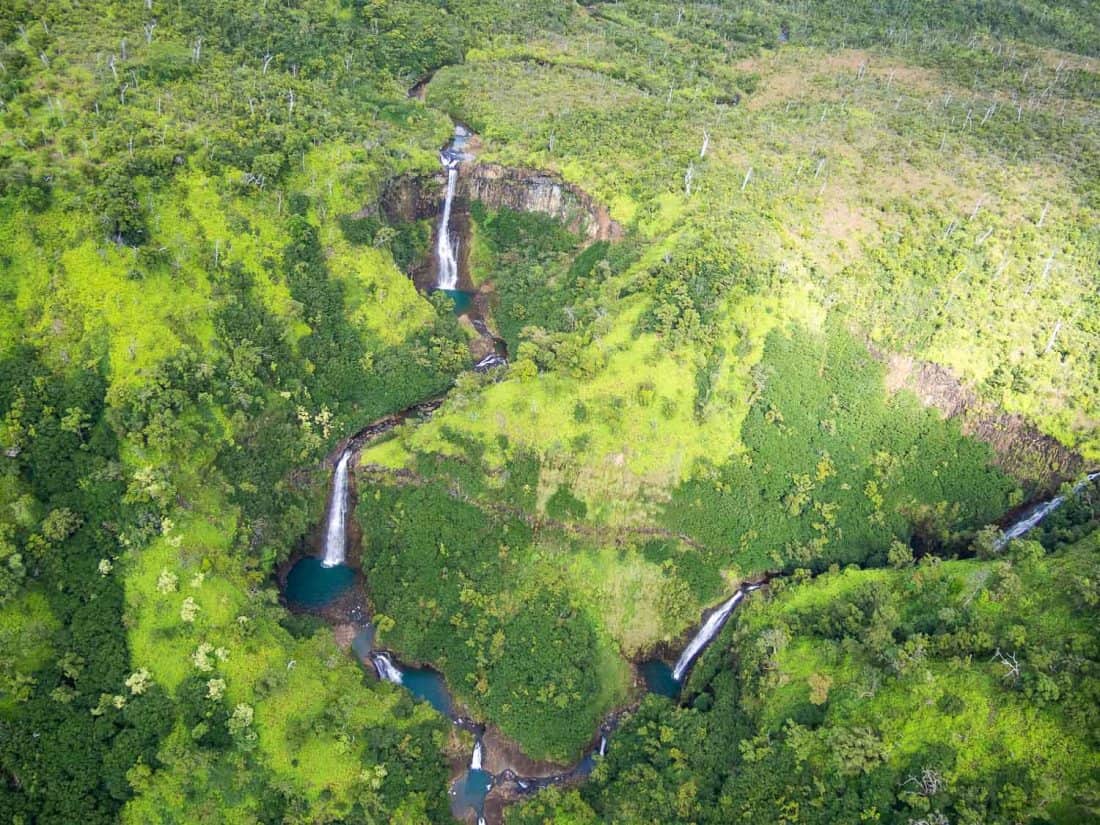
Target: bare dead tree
[1053,336]
[196,50]
[267,61]
[706,143]
[929,783]
[748,177]
[1011,665]
[148,27]
[689,176]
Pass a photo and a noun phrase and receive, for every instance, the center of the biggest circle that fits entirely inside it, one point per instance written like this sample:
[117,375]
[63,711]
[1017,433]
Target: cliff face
[533,191]
[500,187]
[1019,448]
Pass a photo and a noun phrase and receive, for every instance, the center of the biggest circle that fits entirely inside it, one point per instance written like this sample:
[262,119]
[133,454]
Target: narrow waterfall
[446,249]
[1036,516]
[703,638]
[335,533]
[386,669]
[475,760]
[603,745]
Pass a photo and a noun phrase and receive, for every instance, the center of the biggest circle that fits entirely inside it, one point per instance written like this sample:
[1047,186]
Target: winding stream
[470,790]
[315,582]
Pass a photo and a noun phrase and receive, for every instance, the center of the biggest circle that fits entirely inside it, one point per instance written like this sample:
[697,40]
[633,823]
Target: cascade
[475,760]
[1036,516]
[335,533]
[446,252]
[706,633]
[386,669]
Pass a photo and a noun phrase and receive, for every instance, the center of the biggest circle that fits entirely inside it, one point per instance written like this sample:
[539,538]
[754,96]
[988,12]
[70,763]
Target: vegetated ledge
[1035,459]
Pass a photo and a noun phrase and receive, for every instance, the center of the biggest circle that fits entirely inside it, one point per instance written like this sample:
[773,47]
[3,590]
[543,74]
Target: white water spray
[475,760]
[335,534]
[706,633]
[386,669]
[1033,519]
[603,745]
[446,247]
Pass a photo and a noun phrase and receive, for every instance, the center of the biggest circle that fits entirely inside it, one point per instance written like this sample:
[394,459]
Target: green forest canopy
[201,298]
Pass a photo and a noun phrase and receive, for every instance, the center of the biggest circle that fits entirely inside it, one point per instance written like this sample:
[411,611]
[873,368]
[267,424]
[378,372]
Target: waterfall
[335,534]
[386,669]
[475,760]
[446,252]
[603,745]
[706,633]
[1036,516]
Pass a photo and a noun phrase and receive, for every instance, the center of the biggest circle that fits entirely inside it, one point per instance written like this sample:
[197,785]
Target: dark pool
[469,792]
[427,685]
[658,678]
[311,585]
[460,298]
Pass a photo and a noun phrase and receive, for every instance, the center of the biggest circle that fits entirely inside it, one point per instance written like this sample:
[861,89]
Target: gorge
[471,788]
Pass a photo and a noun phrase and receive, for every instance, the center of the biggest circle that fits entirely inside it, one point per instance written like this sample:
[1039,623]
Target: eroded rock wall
[1021,450]
[532,191]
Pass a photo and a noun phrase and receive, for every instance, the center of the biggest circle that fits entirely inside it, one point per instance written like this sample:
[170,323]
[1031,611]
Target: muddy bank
[1037,460]
[500,754]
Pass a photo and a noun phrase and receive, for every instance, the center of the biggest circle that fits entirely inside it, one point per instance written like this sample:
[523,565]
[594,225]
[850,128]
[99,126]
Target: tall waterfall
[446,251]
[475,760]
[335,533]
[1036,516]
[386,669]
[706,633]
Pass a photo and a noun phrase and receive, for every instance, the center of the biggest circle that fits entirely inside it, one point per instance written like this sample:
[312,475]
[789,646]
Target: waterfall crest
[446,247]
[386,669]
[335,532]
[706,633]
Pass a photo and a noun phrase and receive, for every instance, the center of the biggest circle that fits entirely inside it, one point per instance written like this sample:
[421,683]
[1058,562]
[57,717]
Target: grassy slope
[75,295]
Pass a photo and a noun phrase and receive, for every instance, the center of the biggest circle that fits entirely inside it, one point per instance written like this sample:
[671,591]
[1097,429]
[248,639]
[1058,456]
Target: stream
[315,582]
[312,584]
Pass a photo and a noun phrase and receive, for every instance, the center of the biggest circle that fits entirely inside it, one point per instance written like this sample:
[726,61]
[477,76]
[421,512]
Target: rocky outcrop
[500,187]
[1032,457]
[411,198]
